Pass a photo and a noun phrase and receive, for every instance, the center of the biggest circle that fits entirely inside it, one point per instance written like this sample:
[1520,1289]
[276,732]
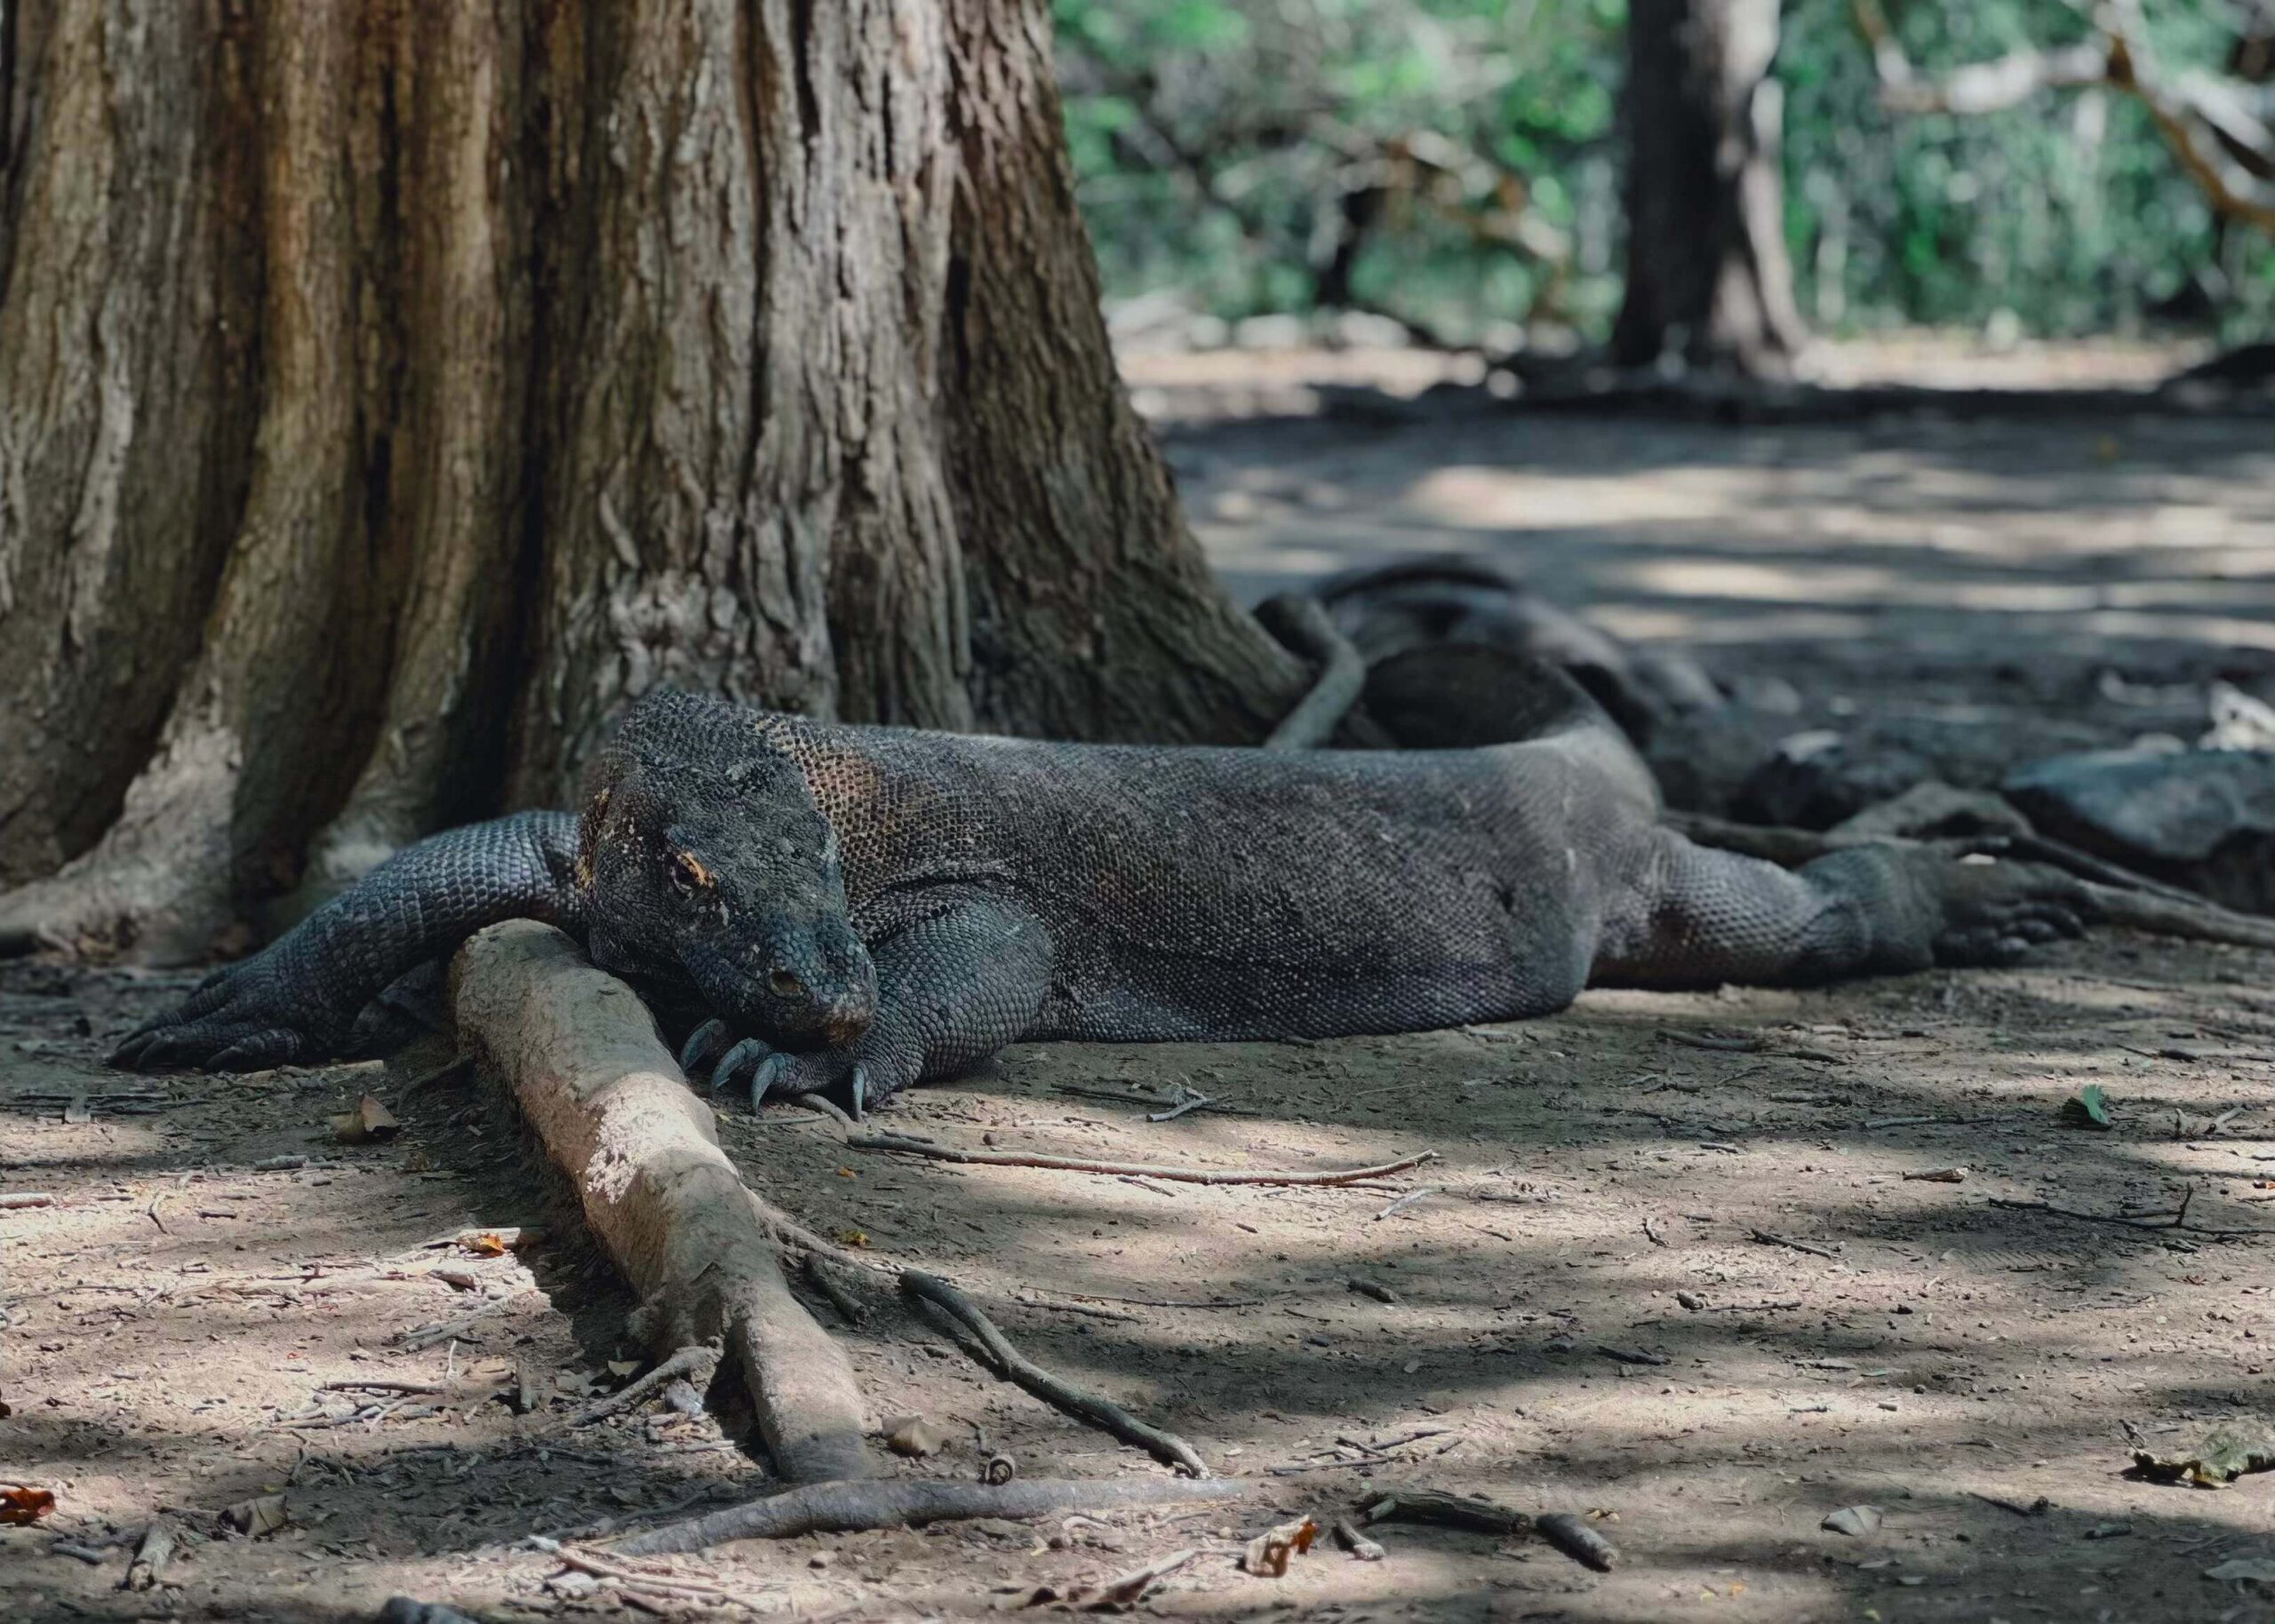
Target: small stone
[1857,1521]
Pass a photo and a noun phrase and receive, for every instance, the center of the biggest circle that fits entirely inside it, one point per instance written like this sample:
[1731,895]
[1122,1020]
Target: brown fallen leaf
[20,1503]
[1267,1554]
[263,1514]
[370,1123]
[914,1436]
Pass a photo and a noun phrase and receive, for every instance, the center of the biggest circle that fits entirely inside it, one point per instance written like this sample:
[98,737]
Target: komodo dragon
[858,908]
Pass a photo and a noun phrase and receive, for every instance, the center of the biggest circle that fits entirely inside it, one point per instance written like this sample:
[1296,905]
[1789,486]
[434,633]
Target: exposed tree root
[583,1059]
[1301,624]
[1061,1395]
[696,1363]
[847,1507]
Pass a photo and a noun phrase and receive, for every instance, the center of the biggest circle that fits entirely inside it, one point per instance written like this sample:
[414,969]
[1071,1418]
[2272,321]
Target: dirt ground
[1677,1266]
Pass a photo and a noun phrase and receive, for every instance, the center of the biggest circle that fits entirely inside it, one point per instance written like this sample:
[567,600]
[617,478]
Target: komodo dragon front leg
[298,999]
[961,972]
[1689,916]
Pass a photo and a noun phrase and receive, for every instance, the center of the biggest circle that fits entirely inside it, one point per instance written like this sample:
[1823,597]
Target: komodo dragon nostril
[784,984]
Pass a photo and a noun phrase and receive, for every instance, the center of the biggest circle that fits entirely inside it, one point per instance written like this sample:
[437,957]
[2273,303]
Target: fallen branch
[1056,1391]
[1809,1246]
[1156,1101]
[848,1508]
[426,1336]
[152,1554]
[697,1362]
[1142,1170]
[1567,1532]
[2174,1222]
[583,1059]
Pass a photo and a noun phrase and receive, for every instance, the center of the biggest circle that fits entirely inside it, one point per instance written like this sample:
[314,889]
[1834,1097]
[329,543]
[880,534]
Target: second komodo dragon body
[859,908]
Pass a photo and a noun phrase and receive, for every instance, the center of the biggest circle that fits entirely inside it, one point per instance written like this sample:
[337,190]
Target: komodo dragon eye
[688,875]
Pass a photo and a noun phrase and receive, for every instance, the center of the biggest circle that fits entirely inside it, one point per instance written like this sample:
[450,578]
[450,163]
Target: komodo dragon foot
[714,1058]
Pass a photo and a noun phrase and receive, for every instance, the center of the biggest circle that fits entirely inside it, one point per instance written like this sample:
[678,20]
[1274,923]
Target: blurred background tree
[1455,166]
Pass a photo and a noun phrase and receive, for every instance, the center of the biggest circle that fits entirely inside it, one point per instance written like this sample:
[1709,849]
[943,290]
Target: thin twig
[1054,1390]
[1174,1174]
[1811,1248]
[697,1362]
[1119,1097]
[2175,1221]
[906,1502]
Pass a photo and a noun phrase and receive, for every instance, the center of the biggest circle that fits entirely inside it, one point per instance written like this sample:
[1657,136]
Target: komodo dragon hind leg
[964,974]
[1696,917]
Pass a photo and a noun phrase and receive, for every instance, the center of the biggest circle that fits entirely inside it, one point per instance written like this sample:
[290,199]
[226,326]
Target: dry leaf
[457,1279]
[20,1504]
[370,1123]
[264,1514]
[851,1238]
[914,1436]
[622,1367]
[1856,1520]
[488,1244]
[1267,1554]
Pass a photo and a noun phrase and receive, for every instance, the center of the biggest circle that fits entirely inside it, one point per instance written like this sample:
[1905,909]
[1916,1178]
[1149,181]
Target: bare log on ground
[587,1066]
[848,1508]
[1056,1391]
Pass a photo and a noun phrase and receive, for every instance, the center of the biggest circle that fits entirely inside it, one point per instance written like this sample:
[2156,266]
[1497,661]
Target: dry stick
[840,1299]
[1157,1101]
[2176,1222]
[151,1555]
[429,1335]
[1144,1170]
[846,1508]
[1056,1391]
[697,1362]
[1811,1248]
[581,1055]
[1561,1529]
[15,1198]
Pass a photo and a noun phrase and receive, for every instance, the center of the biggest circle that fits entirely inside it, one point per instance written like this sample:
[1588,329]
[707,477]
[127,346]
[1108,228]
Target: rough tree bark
[393,393]
[1709,281]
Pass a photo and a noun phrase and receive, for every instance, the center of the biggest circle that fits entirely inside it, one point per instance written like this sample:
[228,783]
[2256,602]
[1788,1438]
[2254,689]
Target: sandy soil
[1698,1292]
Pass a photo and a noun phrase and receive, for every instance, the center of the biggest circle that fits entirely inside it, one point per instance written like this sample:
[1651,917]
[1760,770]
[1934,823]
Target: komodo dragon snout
[725,875]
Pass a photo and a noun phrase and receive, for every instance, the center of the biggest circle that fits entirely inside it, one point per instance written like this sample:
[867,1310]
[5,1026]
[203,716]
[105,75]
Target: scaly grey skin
[859,908]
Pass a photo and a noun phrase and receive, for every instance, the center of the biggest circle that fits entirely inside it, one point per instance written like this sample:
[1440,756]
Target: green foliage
[1216,141]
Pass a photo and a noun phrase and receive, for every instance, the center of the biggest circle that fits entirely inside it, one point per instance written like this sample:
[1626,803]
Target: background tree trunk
[392,393]
[1708,277]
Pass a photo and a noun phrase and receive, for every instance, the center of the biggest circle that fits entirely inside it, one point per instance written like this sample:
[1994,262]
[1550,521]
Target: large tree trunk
[1709,282]
[393,393]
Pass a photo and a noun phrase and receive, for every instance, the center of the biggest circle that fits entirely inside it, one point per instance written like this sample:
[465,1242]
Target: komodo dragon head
[701,857]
